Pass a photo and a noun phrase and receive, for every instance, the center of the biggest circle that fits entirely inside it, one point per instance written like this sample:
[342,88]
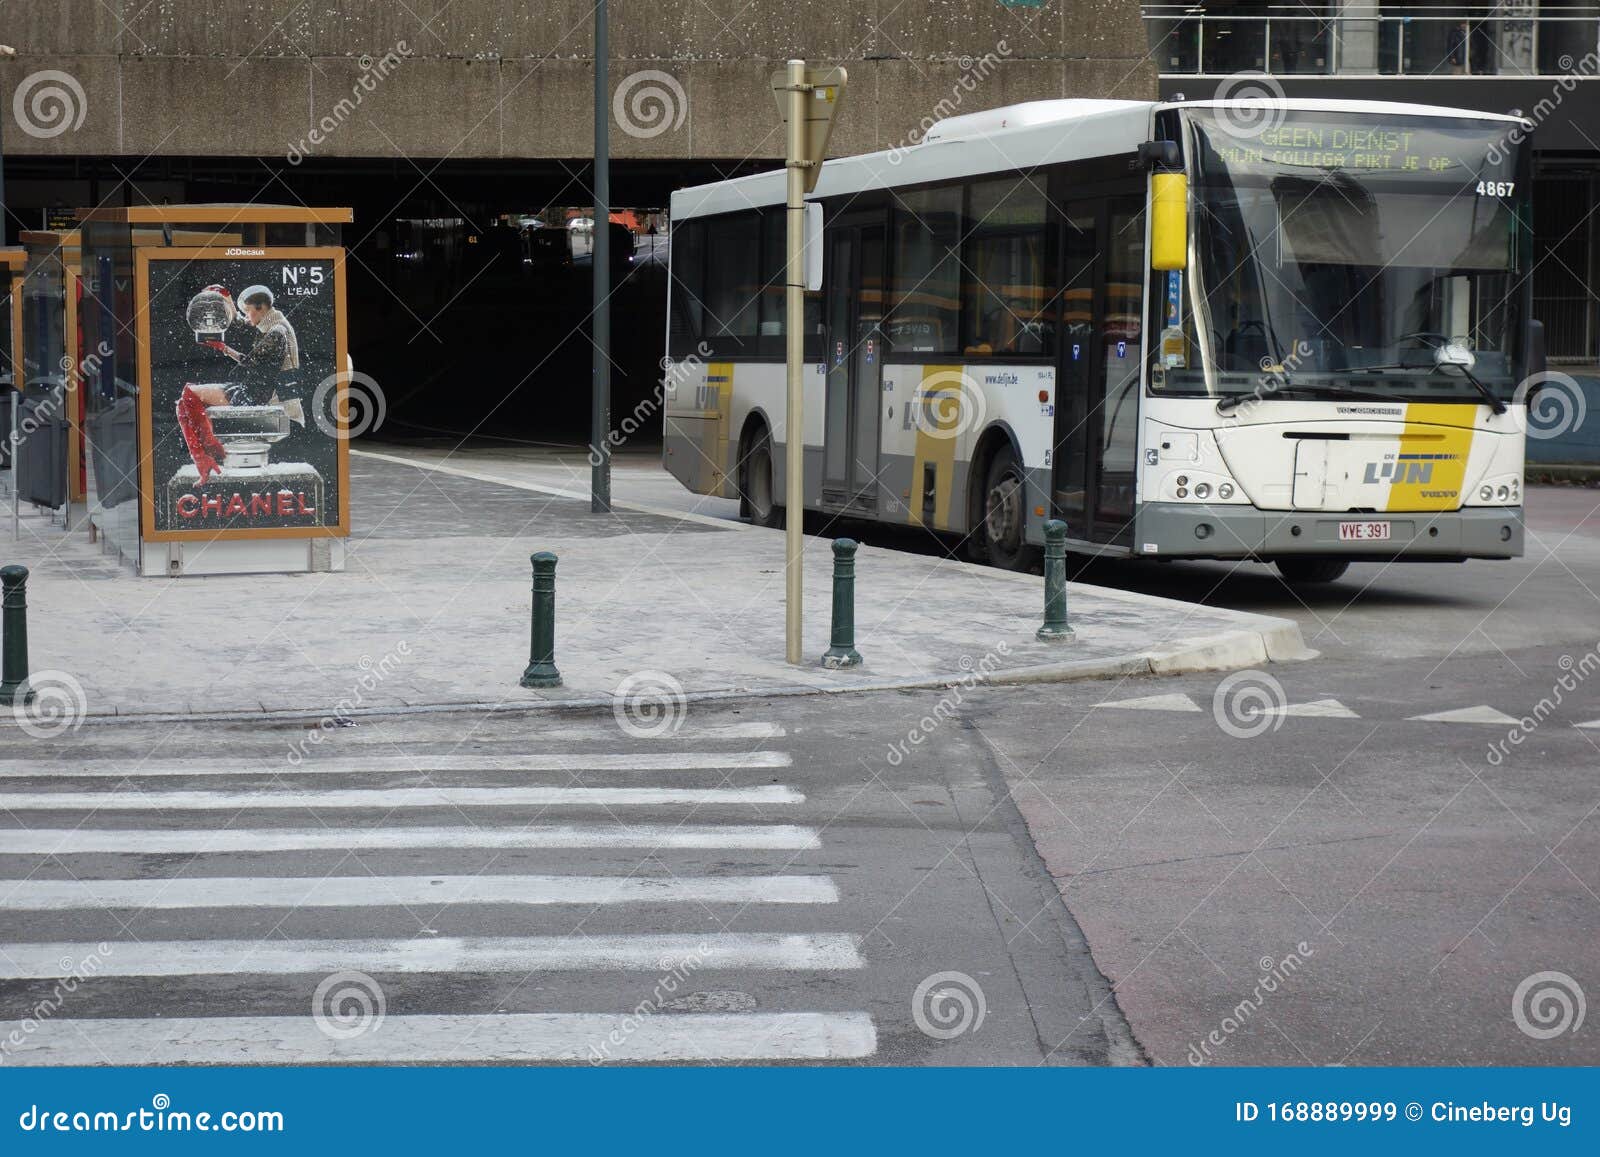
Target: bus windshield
[1336,254]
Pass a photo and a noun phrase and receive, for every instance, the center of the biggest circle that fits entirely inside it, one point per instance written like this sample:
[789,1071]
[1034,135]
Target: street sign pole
[794,321]
[600,264]
[807,99]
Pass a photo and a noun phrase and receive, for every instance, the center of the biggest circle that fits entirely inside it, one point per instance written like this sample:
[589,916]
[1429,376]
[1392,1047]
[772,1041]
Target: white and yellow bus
[1290,331]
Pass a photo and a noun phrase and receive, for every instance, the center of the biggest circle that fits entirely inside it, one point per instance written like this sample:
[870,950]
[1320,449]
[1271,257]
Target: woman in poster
[267,363]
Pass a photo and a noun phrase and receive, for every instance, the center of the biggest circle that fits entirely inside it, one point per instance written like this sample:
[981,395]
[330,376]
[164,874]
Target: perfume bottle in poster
[239,348]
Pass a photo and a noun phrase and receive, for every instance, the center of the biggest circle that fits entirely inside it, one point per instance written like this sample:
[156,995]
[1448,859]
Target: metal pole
[16,452]
[600,256]
[794,321]
[1055,583]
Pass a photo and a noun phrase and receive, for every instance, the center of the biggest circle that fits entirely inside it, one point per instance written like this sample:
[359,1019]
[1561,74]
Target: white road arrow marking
[1174,702]
[1483,714]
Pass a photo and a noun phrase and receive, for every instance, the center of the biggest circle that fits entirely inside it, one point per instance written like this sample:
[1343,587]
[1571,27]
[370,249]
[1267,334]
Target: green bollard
[1055,583]
[14,625]
[843,652]
[541,670]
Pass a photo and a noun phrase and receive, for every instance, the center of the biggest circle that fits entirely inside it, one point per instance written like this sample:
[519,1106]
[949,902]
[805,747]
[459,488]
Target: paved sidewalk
[433,612]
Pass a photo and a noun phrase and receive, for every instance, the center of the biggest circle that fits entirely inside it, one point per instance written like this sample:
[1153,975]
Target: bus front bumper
[1191,530]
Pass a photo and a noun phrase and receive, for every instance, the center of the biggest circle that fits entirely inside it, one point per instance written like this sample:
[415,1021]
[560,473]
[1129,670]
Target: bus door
[1097,402]
[855,298]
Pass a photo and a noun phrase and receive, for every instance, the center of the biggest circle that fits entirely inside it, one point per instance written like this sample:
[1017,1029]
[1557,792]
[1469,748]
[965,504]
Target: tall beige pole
[794,321]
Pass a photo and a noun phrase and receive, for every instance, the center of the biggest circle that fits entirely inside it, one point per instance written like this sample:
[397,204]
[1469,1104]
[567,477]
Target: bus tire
[760,498]
[1296,571]
[1003,514]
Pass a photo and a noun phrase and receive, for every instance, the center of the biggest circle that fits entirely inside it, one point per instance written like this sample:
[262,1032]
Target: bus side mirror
[1536,355]
[1169,221]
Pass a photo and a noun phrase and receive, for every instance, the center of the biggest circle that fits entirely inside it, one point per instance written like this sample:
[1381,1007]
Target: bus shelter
[213,361]
[13,262]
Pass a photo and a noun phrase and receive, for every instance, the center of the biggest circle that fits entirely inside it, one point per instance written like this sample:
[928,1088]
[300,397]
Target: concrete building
[447,123]
[1540,59]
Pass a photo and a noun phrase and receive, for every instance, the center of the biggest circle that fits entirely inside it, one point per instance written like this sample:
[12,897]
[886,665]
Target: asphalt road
[1286,866]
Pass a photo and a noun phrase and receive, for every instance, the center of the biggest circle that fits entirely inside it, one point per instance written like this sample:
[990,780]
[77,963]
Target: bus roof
[1019,136]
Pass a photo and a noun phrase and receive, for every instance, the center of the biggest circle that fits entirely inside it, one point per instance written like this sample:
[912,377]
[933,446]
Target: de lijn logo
[1406,469]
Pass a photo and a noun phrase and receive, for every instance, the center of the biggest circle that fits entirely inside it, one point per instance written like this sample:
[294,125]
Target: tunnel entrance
[469,295]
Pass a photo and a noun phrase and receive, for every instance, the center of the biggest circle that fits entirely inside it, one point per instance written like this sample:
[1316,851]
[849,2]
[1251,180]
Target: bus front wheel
[1005,514]
[760,493]
[1311,570]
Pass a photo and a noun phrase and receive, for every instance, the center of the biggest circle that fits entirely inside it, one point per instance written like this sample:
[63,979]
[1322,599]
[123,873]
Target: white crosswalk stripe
[371,893]
[420,763]
[255,1040]
[389,798]
[406,891]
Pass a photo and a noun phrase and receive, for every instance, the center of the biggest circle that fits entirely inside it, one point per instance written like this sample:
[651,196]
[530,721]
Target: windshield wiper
[1489,395]
[1234,401]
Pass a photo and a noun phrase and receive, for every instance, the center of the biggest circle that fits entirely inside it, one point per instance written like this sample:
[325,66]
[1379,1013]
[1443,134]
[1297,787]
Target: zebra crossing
[569,902]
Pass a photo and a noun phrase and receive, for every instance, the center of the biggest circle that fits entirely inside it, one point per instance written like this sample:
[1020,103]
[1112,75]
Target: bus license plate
[1363,531]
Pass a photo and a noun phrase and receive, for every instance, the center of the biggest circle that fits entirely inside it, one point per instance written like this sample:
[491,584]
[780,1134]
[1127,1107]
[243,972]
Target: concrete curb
[1278,640]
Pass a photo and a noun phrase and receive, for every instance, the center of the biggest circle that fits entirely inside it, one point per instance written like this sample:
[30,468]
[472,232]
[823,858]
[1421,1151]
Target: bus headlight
[1225,491]
[1202,490]
[1486,493]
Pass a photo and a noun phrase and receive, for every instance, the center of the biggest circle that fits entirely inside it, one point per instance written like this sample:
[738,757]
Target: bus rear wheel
[760,497]
[1311,570]
[1005,514]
